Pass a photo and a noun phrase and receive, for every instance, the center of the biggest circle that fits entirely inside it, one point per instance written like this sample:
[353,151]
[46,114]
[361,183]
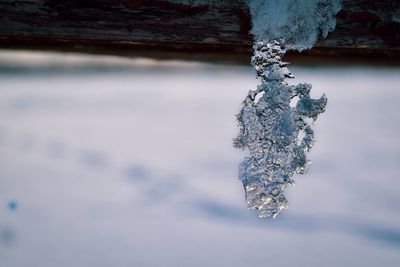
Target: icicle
[277,135]
[270,131]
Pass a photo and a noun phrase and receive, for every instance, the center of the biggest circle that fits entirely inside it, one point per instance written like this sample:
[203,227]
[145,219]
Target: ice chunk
[276,134]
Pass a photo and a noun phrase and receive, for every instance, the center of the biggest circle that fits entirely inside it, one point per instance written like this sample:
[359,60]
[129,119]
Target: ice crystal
[276,134]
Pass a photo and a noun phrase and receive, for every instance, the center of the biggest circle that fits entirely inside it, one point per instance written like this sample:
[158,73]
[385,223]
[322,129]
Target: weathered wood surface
[157,28]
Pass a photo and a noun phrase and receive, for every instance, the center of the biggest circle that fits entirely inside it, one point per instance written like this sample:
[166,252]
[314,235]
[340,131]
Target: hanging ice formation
[277,135]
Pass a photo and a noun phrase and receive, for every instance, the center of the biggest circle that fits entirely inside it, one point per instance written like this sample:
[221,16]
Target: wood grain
[156,28]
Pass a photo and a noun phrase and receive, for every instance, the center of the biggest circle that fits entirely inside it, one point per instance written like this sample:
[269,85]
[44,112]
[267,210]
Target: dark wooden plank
[157,28]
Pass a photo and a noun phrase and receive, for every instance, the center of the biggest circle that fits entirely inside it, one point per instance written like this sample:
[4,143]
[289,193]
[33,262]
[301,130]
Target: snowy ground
[109,163]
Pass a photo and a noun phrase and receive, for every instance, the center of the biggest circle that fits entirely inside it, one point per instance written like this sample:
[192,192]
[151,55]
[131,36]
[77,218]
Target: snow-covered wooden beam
[164,29]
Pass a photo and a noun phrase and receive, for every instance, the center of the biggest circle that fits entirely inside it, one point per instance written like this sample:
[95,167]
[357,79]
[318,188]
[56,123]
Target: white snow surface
[128,164]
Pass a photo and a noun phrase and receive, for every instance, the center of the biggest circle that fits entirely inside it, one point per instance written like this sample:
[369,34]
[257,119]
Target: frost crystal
[276,134]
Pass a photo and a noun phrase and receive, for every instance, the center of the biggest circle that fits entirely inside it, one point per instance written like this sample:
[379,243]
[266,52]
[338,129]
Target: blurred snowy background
[118,162]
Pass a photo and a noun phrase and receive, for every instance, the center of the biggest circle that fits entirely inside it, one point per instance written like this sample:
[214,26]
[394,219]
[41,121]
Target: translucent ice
[276,134]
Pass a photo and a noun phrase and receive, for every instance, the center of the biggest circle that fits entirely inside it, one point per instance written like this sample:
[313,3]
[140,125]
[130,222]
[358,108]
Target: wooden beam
[157,28]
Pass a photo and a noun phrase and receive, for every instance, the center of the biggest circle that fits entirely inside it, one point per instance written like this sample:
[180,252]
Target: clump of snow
[297,22]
